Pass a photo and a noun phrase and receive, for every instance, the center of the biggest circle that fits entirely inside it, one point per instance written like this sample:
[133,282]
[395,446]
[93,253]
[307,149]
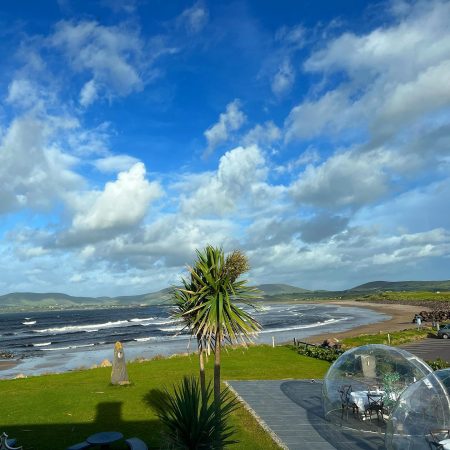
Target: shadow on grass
[108,417]
[309,397]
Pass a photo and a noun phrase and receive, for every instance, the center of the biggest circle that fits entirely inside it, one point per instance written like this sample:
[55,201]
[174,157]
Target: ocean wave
[170,329]
[42,344]
[161,322]
[301,327]
[71,347]
[145,319]
[145,339]
[76,328]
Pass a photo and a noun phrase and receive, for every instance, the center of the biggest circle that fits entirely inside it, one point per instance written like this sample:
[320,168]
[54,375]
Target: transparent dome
[423,408]
[363,385]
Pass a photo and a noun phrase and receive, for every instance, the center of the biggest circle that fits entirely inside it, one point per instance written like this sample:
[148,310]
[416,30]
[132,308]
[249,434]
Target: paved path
[292,409]
[430,348]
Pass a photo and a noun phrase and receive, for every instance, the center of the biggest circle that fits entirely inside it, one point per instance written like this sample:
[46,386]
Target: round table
[104,438]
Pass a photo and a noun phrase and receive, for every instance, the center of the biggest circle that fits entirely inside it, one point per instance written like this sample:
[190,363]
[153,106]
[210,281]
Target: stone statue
[119,374]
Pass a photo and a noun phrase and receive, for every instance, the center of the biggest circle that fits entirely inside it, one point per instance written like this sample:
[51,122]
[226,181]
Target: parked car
[444,331]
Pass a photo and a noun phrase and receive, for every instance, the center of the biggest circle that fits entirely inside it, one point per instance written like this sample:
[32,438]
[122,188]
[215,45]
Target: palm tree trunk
[217,348]
[202,372]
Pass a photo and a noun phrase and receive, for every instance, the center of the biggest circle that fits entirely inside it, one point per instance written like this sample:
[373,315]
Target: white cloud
[231,120]
[114,57]
[262,135]
[239,180]
[283,79]
[23,93]
[33,172]
[115,163]
[347,179]
[391,77]
[194,18]
[122,204]
[89,93]
[330,113]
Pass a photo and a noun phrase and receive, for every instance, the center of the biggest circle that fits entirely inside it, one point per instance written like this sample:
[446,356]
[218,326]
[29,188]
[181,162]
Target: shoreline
[388,317]
[400,319]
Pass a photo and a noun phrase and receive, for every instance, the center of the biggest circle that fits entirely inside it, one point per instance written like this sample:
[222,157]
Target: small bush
[191,422]
[438,364]
[323,353]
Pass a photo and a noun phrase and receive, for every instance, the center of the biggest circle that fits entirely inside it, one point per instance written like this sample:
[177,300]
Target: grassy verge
[396,338]
[54,411]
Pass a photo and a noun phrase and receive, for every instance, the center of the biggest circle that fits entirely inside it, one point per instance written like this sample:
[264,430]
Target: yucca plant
[188,422]
[207,303]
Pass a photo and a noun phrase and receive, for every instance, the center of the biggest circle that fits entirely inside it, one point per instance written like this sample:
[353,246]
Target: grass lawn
[396,337]
[53,411]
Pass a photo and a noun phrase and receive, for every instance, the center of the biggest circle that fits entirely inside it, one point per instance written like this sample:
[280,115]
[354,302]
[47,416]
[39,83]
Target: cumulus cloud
[322,227]
[263,135]
[347,179]
[231,120]
[114,56]
[33,172]
[391,77]
[122,204]
[240,177]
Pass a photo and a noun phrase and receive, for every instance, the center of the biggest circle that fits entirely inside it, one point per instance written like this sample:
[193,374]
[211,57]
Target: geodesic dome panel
[423,407]
[379,370]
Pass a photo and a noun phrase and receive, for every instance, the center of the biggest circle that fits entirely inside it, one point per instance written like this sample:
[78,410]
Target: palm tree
[183,298]
[210,310]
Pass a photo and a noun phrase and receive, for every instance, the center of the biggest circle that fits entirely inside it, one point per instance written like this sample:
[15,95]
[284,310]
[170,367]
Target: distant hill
[280,289]
[403,286]
[33,300]
[272,292]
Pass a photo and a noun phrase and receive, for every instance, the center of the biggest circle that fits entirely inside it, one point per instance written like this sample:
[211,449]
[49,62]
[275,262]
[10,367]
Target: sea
[58,341]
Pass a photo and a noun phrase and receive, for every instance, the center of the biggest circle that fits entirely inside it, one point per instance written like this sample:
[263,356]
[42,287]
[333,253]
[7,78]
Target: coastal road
[429,349]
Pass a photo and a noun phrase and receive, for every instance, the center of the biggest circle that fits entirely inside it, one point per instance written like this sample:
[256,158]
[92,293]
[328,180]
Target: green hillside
[403,286]
[280,289]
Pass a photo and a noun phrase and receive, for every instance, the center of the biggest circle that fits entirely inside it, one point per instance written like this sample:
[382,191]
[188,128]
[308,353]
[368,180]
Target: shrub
[326,354]
[438,364]
[191,421]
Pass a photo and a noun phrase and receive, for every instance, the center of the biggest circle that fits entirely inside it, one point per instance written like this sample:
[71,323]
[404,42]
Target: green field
[53,411]
[394,338]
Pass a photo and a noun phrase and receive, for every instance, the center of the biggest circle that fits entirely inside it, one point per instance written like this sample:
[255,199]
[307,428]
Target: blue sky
[315,136]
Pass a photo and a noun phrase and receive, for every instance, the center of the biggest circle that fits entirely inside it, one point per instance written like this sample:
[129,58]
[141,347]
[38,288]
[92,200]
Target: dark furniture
[104,438]
[346,403]
[135,443]
[374,404]
[8,444]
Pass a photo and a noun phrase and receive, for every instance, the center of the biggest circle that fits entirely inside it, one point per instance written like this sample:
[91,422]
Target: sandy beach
[401,319]
[8,364]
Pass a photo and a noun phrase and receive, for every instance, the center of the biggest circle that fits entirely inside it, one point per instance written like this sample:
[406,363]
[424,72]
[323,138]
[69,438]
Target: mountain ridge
[55,300]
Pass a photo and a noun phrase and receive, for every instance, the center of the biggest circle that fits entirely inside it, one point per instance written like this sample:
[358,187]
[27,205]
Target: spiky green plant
[211,311]
[189,423]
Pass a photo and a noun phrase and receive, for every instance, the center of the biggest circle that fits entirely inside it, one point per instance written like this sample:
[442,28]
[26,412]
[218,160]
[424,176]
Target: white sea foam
[75,328]
[170,329]
[42,344]
[71,347]
[163,322]
[145,339]
[145,319]
[301,327]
